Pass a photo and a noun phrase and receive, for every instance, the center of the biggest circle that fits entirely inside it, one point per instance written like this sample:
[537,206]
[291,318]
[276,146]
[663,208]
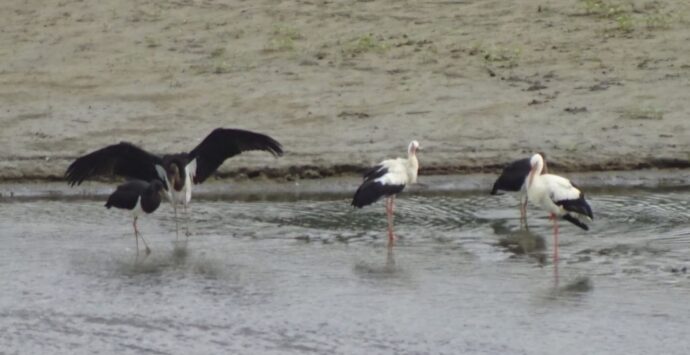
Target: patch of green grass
[217,63]
[217,53]
[602,8]
[429,55]
[218,67]
[658,20]
[625,23]
[151,42]
[502,56]
[283,39]
[363,44]
[499,54]
[627,16]
[223,63]
[222,67]
[642,113]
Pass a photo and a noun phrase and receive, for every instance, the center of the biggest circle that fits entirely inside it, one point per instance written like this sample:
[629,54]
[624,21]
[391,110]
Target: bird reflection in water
[388,269]
[523,242]
[180,253]
[572,290]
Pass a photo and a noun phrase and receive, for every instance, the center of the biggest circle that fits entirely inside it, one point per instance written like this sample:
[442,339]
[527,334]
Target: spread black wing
[123,159]
[225,143]
[513,176]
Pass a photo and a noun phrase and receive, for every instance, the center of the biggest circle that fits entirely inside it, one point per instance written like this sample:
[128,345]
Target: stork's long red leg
[391,237]
[555,237]
[389,216]
[555,275]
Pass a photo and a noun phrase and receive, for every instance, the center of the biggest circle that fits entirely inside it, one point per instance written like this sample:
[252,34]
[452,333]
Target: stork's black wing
[224,143]
[513,176]
[578,205]
[123,159]
[374,172]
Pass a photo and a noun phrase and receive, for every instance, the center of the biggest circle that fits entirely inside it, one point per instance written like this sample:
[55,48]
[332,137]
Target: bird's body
[557,196]
[136,195]
[387,179]
[513,178]
[177,172]
[140,197]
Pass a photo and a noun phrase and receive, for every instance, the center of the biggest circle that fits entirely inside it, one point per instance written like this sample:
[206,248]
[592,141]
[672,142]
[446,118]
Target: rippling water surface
[315,276]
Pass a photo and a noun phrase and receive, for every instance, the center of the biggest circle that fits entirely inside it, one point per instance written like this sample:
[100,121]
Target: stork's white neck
[412,167]
[537,167]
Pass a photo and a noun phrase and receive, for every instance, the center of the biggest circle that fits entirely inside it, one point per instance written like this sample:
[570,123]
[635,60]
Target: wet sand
[597,85]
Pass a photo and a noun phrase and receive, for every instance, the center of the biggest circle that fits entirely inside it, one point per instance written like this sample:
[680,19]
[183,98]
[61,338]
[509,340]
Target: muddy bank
[597,85]
[52,170]
[270,189]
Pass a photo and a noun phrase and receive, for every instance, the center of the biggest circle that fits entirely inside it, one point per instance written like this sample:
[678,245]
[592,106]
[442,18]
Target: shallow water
[315,276]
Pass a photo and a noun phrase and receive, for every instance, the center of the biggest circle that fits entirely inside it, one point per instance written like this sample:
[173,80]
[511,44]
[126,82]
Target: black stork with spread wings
[177,172]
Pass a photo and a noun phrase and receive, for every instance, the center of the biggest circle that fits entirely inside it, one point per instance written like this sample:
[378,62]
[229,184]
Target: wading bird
[557,196]
[513,179]
[177,172]
[139,197]
[388,178]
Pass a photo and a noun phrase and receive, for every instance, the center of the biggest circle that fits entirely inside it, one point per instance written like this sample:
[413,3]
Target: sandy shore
[596,84]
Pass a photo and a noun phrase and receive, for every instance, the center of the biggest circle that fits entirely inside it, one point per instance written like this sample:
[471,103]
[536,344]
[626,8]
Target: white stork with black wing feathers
[177,172]
[514,179]
[388,178]
[557,196]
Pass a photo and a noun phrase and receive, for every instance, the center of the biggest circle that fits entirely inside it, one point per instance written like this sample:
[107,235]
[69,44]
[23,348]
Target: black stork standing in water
[388,178]
[557,196]
[514,179]
[139,197]
[177,172]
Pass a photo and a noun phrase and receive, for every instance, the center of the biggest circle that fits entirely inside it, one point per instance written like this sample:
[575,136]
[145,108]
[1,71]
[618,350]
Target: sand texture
[595,84]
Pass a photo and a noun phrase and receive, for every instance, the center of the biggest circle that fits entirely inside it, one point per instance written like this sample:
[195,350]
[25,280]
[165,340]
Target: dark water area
[285,275]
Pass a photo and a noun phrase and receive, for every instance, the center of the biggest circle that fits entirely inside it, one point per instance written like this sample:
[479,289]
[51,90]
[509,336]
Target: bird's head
[537,163]
[413,148]
[535,159]
[176,177]
[543,156]
[173,171]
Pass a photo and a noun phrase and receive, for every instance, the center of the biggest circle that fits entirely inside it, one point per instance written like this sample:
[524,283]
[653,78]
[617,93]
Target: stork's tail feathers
[579,206]
[575,221]
[371,191]
[494,190]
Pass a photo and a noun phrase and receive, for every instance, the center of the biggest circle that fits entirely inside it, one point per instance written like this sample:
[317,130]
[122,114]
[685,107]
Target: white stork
[139,197]
[557,196]
[514,179]
[388,178]
[177,172]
